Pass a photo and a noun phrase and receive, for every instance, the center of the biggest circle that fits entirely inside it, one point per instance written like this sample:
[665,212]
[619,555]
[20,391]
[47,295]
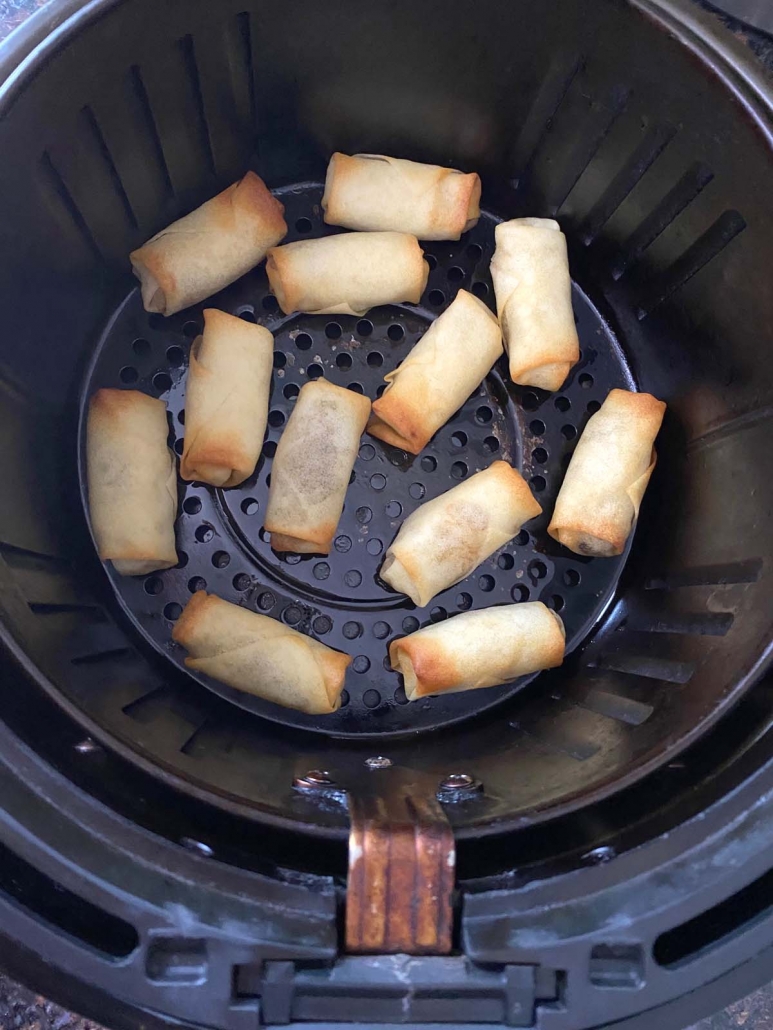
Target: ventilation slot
[243,22]
[650,148]
[692,939]
[653,668]
[613,706]
[706,247]
[56,186]
[100,656]
[709,575]
[60,908]
[112,170]
[675,201]
[45,608]
[549,97]
[142,96]
[192,70]
[600,121]
[705,624]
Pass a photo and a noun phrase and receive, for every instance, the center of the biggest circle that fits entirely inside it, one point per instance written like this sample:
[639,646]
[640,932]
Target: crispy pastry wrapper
[260,656]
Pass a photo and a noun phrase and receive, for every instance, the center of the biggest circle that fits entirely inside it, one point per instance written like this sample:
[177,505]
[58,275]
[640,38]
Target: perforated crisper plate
[339,598]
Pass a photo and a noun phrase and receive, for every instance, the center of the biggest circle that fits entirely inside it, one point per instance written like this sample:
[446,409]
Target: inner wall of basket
[586,111]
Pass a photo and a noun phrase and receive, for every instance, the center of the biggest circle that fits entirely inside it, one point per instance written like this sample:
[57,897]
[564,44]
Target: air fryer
[175,852]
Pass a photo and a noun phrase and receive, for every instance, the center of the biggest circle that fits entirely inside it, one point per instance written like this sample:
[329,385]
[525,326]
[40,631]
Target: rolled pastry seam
[445,539]
[374,192]
[439,374]
[226,400]
[347,274]
[132,479]
[479,649]
[530,272]
[312,465]
[599,499]
[260,656]
[209,248]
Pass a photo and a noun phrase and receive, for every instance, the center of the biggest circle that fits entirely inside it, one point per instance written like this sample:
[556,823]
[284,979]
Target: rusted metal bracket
[402,861]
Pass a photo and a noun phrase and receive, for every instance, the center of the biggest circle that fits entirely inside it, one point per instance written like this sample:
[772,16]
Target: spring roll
[226,400]
[437,377]
[441,542]
[260,656]
[530,271]
[599,499]
[132,481]
[479,649]
[373,192]
[211,247]
[347,274]
[312,466]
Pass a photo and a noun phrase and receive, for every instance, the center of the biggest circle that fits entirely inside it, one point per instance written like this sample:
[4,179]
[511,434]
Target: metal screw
[378,762]
[600,855]
[86,747]
[458,785]
[199,847]
[315,779]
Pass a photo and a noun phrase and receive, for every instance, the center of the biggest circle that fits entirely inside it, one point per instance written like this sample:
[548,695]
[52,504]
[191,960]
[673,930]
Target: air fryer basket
[648,137]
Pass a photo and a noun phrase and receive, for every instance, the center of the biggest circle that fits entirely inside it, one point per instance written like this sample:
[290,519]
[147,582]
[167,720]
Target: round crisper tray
[339,598]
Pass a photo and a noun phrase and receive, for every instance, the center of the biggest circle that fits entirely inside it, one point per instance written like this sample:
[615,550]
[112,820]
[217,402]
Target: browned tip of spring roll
[599,499]
[375,192]
[348,273]
[132,480]
[439,374]
[209,248]
[479,649]
[260,655]
[311,468]
[226,400]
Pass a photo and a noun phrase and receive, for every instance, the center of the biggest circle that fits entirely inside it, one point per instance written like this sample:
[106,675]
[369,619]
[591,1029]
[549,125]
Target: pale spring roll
[599,499]
[441,542]
[260,656]
[479,649]
[347,274]
[312,465]
[210,248]
[530,271]
[226,400]
[373,192]
[437,377]
[132,481]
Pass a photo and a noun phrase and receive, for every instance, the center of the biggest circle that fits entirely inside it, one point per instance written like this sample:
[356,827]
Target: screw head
[378,762]
[601,855]
[315,779]
[86,747]
[458,785]
[197,846]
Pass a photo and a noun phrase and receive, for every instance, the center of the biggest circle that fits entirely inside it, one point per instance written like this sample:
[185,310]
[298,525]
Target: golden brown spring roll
[373,192]
[132,481]
[226,400]
[599,499]
[260,656]
[347,274]
[437,377]
[479,649]
[209,248]
[312,465]
[441,542]
[530,271]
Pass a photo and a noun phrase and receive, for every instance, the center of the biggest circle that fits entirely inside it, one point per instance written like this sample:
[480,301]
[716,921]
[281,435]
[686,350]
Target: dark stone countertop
[22,1009]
